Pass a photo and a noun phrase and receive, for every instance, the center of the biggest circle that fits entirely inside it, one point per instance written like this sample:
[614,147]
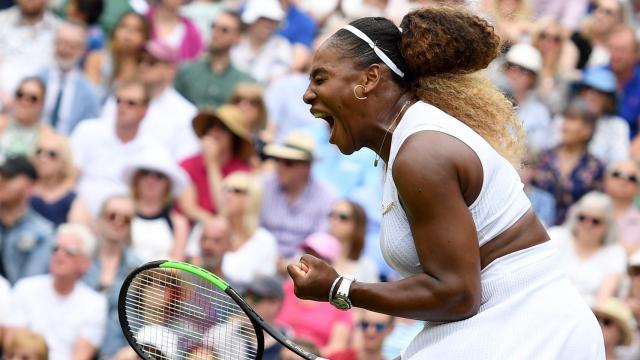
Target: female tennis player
[475,260]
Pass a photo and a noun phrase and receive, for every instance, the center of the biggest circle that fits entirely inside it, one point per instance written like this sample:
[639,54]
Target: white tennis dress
[529,309]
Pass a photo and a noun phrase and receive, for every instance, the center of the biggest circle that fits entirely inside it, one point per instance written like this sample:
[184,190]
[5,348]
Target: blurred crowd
[136,130]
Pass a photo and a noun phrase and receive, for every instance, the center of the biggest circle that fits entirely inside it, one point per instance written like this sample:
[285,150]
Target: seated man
[70,315]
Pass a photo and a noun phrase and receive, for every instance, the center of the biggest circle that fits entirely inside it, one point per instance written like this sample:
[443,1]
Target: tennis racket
[173,311]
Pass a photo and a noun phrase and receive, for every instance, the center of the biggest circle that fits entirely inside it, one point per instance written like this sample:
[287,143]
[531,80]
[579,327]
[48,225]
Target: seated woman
[254,250]
[327,327]
[157,230]
[348,224]
[225,148]
[249,98]
[588,244]
[53,195]
[569,170]
[22,126]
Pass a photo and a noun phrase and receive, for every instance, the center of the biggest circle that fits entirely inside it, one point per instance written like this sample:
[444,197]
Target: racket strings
[174,315]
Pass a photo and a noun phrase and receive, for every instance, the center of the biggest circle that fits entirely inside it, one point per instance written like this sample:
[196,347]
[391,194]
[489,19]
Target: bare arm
[180,235]
[92,67]
[434,173]
[338,339]
[83,350]
[189,205]
[608,288]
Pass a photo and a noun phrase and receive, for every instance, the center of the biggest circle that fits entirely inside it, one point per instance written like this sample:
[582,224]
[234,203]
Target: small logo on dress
[387,208]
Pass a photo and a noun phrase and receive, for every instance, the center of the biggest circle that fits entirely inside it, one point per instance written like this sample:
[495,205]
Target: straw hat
[297,146]
[231,117]
[620,313]
[157,159]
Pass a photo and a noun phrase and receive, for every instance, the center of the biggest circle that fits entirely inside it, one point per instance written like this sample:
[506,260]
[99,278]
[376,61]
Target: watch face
[341,303]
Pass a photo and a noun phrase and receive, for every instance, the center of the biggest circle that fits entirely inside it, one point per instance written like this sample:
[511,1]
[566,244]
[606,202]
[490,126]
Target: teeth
[320,115]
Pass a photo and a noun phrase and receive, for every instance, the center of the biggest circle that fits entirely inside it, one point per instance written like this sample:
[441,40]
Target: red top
[197,171]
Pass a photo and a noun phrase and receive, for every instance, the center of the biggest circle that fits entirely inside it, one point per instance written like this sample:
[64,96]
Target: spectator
[261,52]
[54,196]
[512,19]
[558,66]
[588,244]
[70,315]
[5,293]
[71,97]
[174,30]
[633,294]
[21,128]
[404,330]
[203,14]
[569,171]
[225,148]
[158,231]
[119,60]
[26,236]
[621,184]
[348,223]
[372,329]
[112,262]
[101,148]
[254,251]
[543,202]
[300,30]
[569,12]
[623,48]
[523,64]
[89,12]
[615,320]
[157,70]
[215,242]
[208,82]
[249,98]
[327,327]
[26,42]
[295,204]
[26,345]
[596,30]
[265,295]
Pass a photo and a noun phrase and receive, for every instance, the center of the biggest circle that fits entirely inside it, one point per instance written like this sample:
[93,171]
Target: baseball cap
[525,56]
[323,244]
[256,9]
[18,165]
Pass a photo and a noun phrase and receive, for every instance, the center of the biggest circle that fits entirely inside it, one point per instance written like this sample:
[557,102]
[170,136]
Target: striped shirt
[289,222]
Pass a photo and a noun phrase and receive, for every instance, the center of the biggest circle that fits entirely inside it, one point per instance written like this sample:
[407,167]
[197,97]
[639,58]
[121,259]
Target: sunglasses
[236,190]
[31,98]
[340,216]
[152,173]
[239,99]
[51,154]
[113,216]
[593,220]
[380,327]
[547,36]
[69,250]
[605,321]
[520,68]
[129,102]
[624,176]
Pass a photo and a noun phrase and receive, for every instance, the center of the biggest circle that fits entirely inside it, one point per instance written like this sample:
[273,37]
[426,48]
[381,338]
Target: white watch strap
[345,285]
[333,286]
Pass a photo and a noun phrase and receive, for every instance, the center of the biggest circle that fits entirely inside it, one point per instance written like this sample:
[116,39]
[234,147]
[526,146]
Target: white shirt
[587,274]
[60,319]
[24,49]
[256,257]
[271,61]
[167,123]
[5,296]
[101,157]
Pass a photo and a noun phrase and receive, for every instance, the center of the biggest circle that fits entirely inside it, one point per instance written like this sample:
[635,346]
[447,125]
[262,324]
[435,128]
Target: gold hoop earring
[356,94]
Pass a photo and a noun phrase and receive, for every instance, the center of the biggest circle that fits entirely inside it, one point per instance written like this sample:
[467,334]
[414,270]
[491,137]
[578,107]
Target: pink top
[310,319]
[197,171]
[629,227]
[191,44]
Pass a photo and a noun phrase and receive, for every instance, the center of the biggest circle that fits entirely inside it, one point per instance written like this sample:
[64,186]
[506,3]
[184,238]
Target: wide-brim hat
[620,313]
[231,117]
[297,146]
[157,159]
[525,56]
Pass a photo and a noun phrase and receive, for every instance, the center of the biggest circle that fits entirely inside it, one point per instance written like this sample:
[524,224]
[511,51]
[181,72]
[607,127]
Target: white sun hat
[256,9]
[157,159]
[526,56]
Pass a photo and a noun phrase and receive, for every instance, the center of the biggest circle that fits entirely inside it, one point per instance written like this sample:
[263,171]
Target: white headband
[385,59]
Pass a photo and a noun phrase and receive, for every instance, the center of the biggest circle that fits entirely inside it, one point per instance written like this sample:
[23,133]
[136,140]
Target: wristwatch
[341,299]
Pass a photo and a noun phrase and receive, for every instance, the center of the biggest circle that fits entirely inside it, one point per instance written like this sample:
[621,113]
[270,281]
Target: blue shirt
[629,102]
[114,340]
[543,204]
[26,246]
[298,27]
